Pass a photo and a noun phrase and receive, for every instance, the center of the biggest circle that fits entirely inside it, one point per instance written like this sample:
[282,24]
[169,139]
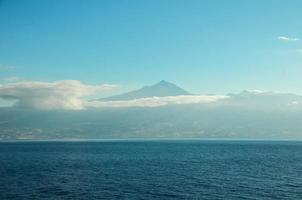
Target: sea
[151,169]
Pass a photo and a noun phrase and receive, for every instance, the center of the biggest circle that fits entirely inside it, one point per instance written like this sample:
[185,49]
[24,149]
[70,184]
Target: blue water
[151,170]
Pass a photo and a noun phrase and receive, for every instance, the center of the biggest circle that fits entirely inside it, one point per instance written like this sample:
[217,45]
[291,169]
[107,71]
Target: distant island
[162,110]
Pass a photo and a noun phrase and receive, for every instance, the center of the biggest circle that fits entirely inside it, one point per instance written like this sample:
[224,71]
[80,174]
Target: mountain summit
[160,89]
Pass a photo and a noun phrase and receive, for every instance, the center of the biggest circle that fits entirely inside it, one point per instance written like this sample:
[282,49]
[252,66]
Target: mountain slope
[160,89]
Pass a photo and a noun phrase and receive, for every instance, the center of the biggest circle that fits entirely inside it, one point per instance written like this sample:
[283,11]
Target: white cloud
[255,91]
[66,94]
[284,38]
[156,101]
[70,94]
[299,50]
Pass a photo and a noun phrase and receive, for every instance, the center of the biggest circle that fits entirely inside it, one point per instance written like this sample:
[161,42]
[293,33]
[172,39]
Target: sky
[206,47]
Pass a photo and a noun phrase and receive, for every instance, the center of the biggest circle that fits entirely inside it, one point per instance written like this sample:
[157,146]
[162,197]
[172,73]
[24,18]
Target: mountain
[160,89]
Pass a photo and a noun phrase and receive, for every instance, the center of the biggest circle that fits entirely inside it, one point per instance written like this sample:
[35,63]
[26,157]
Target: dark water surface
[151,170]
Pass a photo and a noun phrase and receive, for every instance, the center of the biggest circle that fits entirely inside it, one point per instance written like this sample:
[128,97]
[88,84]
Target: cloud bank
[70,95]
[284,38]
[74,95]
[66,94]
[156,101]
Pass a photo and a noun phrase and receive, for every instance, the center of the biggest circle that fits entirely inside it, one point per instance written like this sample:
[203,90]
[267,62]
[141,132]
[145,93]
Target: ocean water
[151,170]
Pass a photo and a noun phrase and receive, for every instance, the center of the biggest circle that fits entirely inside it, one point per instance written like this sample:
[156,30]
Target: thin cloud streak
[284,38]
[156,101]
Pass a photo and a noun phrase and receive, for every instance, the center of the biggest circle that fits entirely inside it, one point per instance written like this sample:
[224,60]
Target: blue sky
[210,46]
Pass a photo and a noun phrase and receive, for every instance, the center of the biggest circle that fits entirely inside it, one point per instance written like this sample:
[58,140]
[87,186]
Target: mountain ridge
[161,89]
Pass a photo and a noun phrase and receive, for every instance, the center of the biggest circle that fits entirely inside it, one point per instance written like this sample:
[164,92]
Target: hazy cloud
[6,68]
[12,79]
[66,94]
[265,100]
[157,101]
[284,38]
